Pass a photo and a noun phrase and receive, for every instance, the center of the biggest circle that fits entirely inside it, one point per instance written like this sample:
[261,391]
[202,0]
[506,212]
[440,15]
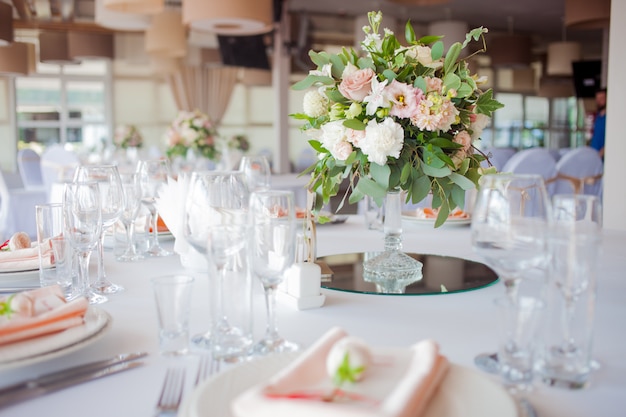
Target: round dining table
[462,322]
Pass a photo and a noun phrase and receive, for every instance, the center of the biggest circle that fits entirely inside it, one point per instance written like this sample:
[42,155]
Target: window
[64,104]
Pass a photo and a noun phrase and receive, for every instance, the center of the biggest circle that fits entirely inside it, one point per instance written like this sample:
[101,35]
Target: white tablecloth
[463,323]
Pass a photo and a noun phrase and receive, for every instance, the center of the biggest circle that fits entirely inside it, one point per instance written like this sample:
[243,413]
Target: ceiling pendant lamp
[6,23]
[229,17]
[167,35]
[14,59]
[560,58]
[89,45]
[53,49]
[135,6]
[585,14]
[120,21]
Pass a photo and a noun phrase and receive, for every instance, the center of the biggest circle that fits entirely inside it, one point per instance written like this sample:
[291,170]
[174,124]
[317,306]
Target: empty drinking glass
[132,204]
[257,171]
[153,176]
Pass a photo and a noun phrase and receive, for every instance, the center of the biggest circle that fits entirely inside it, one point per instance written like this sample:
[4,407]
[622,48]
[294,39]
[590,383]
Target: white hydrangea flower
[382,140]
[315,104]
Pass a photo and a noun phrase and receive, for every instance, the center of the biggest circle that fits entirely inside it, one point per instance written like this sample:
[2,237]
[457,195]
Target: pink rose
[354,136]
[464,139]
[342,150]
[356,85]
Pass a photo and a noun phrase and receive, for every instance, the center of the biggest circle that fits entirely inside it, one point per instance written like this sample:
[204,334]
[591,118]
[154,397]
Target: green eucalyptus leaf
[465,90]
[355,124]
[444,212]
[452,81]
[428,39]
[420,188]
[406,173]
[420,83]
[368,187]
[355,196]
[380,174]
[409,33]
[319,58]
[436,51]
[458,196]
[366,62]
[389,75]
[464,166]
[461,181]
[451,57]
[444,143]
[337,67]
[431,160]
[436,172]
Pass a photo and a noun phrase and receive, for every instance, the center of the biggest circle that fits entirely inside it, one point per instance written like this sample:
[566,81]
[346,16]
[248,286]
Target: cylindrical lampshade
[229,17]
[135,6]
[120,21]
[14,59]
[89,45]
[6,23]
[560,57]
[53,48]
[585,14]
[166,36]
[510,51]
[452,31]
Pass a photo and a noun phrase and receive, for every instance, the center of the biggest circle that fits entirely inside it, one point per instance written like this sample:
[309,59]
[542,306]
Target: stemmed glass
[83,217]
[509,230]
[111,204]
[132,204]
[153,174]
[271,252]
[257,171]
[213,198]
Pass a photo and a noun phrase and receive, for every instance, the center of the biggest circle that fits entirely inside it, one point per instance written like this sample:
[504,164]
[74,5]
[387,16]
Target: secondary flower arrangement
[127,136]
[239,142]
[192,130]
[398,117]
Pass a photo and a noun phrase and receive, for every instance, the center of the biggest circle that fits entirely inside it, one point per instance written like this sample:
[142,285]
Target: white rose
[333,133]
[342,150]
[382,140]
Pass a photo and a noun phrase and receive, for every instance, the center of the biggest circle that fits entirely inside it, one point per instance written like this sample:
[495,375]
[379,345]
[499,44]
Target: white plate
[43,348]
[464,392]
[20,279]
[410,217]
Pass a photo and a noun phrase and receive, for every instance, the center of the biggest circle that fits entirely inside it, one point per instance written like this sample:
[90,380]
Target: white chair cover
[17,209]
[533,161]
[57,165]
[498,157]
[579,171]
[29,165]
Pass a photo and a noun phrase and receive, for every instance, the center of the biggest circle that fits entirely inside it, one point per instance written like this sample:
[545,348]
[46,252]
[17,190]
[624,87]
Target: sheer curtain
[206,89]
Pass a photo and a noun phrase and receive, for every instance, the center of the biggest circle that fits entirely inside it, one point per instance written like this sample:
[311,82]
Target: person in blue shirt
[599,123]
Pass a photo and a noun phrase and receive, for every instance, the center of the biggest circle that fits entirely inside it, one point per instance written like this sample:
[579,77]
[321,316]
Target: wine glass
[111,204]
[132,204]
[213,198]
[271,252]
[83,217]
[509,230]
[153,174]
[257,171]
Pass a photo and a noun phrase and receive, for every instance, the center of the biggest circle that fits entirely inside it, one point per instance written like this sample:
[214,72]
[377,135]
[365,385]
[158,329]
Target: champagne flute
[271,252]
[111,204]
[213,198]
[153,174]
[83,226]
[132,204]
[509,230]
[257,171]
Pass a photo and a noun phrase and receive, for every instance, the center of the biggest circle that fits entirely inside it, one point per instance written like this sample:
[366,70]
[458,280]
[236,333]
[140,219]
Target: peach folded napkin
[399,383]
[25,259]
[39,312]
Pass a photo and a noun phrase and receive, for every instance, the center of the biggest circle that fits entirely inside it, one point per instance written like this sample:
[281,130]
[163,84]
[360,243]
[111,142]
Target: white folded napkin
[25,259]
[399,383]
[39,312]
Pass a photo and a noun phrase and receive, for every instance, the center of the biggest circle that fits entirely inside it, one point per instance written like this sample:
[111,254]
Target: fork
[172,392]
[208,366]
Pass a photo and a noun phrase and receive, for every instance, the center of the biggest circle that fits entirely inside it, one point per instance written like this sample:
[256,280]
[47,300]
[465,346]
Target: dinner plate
[39,349]
[464,392]
[413,219]
[20,279]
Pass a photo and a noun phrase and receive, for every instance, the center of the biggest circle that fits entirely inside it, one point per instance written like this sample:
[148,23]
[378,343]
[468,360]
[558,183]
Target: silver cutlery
[56,381]
[207,367]
[172,392]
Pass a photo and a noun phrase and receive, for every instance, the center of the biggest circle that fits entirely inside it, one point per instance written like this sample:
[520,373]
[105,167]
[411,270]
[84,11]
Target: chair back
[579,171]
[533,161]
[498,157]
[29,166]
[57,164]
[4,206]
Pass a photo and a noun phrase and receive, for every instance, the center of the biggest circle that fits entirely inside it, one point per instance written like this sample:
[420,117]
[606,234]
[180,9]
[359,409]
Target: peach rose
[356,84]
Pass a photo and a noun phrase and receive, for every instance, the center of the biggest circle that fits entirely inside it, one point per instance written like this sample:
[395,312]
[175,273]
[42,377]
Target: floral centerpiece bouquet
[239,142]
[397,117]
[127,136]
[195,131]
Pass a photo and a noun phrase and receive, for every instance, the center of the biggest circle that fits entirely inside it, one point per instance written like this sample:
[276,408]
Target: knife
[38,390]
[66,374]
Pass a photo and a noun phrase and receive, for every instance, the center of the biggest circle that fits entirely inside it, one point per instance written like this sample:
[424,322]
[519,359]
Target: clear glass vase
[392,270]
